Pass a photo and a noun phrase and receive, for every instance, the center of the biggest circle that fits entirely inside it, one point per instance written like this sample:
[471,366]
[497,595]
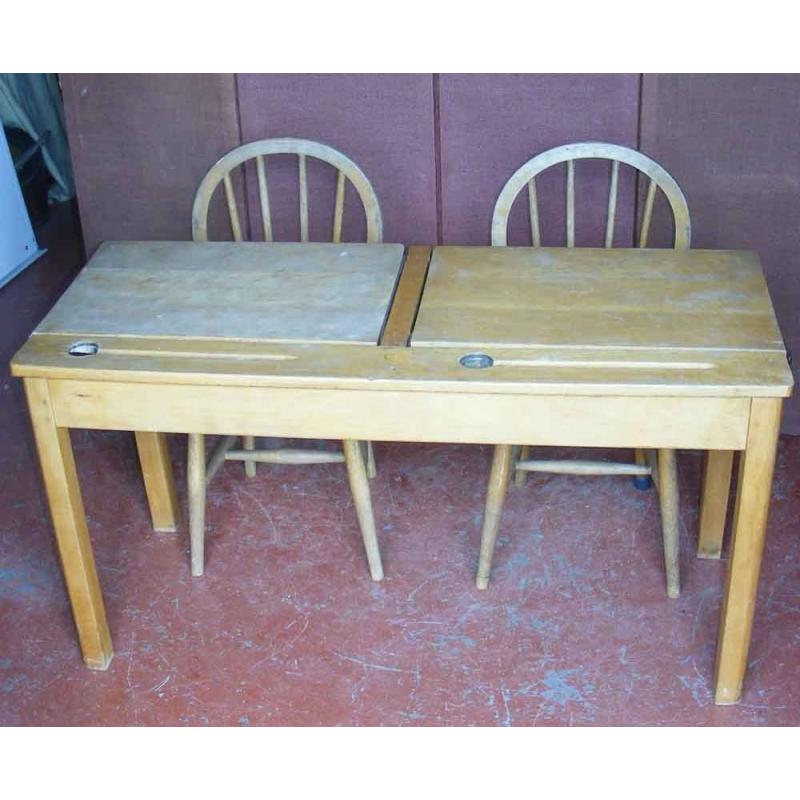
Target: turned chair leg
[196,480]
[372,467]
[520,475]
[249,443]
[359,487]
[669,499]
[496,495]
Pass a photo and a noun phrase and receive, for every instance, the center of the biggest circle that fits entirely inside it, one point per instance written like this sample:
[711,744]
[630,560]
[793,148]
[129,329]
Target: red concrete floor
[286,627]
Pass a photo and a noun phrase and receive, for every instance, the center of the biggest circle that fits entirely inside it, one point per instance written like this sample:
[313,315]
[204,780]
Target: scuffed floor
[286,627]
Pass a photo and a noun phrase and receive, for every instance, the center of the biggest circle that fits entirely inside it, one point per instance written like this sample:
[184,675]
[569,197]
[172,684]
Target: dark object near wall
[34,177]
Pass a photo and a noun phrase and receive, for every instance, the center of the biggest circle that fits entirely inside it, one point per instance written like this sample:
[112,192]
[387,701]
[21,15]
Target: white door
[18,246]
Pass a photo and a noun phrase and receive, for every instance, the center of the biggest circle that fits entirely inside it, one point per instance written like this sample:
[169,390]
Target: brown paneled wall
[439,147]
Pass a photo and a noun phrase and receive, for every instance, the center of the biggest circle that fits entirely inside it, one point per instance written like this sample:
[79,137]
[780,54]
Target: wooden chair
[354,454]
[661,467]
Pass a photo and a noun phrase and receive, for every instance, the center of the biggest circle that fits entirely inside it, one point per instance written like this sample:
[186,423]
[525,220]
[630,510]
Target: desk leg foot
[69,521]
[756,468]
[496,495]
[159,484]
[99,666]
[714,502]
[359,487]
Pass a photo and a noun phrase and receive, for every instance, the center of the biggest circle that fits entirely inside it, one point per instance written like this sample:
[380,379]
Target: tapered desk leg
[496,495]
[749,529]
[69,521]
[158,481]
[714,502]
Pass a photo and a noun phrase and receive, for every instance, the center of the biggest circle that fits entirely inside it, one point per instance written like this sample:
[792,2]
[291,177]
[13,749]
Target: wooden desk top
[224,290]
[648,300]
[555,321]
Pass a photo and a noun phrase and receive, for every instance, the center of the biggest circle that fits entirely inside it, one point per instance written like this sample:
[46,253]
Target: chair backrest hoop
[613,152]
[287,146]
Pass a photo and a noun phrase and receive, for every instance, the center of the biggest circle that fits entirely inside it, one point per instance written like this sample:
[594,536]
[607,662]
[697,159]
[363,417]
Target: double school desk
[586,347]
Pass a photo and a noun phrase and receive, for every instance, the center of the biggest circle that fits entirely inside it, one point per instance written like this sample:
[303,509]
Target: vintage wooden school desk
[622,348]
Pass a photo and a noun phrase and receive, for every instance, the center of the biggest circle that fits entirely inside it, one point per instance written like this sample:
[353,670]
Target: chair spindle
[233,212]
[648,213]
[612,204]
[303,199]
[338,210]
[570,203]
[533,213]
[263,195]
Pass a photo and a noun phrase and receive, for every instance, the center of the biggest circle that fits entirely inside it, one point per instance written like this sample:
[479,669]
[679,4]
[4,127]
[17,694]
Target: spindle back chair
[353,454]
[658,177]
[646,466]
[347,171]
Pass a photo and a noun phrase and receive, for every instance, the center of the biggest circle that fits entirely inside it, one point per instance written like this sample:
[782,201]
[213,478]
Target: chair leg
[196,479]
[642,482]
[359,487]
[249,443]
[372,467]
[520,476]
[670,519]
[496,495]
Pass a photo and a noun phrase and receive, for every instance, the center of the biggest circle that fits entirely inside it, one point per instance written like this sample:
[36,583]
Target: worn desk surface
[697,321]
[222,290]
[624,348]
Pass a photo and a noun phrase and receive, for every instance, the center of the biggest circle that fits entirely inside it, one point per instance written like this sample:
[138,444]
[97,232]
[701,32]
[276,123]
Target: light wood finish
[720,396]
[749,529]
[642,304]
[480,299]
[542,371]
[218,456]
[263,198]
[286,456]
[570,203]
[303,149]
[303,180]
[611,213]
[69,521]
[354,293]
[564,311]
[249,444]
[533,213]
[360,409]
[407,297]
[520,474]
[294,293]
[647,218]
[158,481]
[595,150]
[569,467]
[714,496]
[338,210]
[526,175]
[233,213]
[359,488]
[372,464]
[196,483]
[669,501]
[495,498]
